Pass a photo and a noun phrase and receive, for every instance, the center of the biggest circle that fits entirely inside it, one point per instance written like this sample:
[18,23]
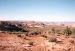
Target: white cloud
[2,18]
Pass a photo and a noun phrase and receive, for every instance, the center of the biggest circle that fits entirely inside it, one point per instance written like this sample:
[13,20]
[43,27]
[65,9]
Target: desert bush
[68,31]
[52,39]
[26,34]
[53,30]
[49,32]
[19,35]
[35,33]
[31,43]
[71,41]
[44,36]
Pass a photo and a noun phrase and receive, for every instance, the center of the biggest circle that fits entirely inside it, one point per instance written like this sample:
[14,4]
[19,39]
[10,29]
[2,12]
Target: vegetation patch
[31,43]
[6,26]
[52,39]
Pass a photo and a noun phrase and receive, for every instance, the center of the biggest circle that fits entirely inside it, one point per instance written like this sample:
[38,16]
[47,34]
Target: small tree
[53,30]
[68,31]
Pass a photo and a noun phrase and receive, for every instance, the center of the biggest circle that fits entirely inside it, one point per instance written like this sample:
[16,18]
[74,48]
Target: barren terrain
[35,36]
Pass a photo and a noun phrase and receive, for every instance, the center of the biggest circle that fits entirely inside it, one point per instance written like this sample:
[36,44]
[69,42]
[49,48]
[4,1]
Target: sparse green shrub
[52,39]
[53,30]
[68,31]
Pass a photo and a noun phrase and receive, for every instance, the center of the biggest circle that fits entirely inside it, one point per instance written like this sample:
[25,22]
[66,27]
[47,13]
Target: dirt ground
[12,42]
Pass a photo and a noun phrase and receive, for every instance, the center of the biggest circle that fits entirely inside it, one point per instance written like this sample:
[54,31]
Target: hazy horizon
[38,10]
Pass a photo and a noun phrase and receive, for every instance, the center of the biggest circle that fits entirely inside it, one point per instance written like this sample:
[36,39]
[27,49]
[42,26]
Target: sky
[38,10]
